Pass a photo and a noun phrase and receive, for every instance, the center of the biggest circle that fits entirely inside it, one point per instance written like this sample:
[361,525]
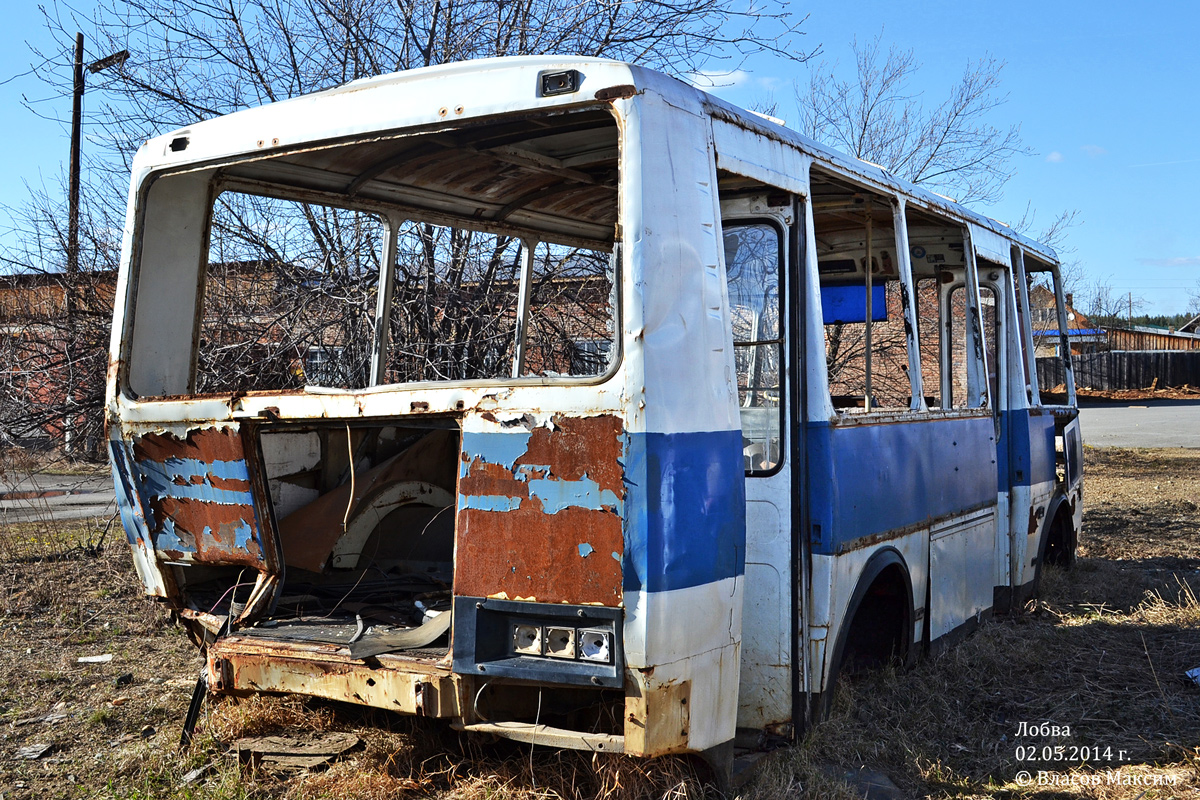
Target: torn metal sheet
[196,493]
[539,513]
[332,529]
[310,750]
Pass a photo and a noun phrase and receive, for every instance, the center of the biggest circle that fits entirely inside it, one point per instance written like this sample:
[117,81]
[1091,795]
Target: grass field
[1085,693]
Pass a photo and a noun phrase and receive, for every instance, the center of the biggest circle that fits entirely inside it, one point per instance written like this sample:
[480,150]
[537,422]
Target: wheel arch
[885,559]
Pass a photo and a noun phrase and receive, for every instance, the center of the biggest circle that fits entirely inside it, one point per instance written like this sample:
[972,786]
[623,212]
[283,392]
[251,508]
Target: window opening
[454,301]
[929,333]
[866,343]
[572,324]
[294,294]
[989,307]
[753,259]
[277,290]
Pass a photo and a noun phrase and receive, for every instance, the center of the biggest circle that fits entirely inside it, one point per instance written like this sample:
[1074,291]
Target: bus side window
[753,257]
[989,307]
[930,335]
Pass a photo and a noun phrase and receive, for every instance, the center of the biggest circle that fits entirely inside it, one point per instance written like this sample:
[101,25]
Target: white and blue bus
[561,400]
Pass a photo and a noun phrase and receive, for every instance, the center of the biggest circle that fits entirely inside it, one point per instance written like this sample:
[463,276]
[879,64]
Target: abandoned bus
[563,401]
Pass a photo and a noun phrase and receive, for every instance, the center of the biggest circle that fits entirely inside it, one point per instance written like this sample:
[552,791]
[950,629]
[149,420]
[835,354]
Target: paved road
[1157,423]
[60,497]
[1161,423]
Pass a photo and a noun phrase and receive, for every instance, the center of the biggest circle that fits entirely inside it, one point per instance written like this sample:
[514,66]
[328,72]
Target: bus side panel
[685,526]
[961,582]
[886,484]
[683,568]
[872,479]
[766,682]
[1032,479]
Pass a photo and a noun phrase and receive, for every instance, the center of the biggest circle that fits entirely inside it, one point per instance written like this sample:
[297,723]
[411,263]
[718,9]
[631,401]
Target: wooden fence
[1125,369]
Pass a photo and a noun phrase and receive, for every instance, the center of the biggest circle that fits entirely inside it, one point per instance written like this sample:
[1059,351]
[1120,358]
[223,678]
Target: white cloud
[709,79]
[1093,150]
[1179,261]
[1055,157]
[1166,163]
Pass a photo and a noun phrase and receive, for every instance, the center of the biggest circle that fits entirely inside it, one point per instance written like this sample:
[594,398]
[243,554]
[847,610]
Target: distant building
[1138,337]
[1084,336]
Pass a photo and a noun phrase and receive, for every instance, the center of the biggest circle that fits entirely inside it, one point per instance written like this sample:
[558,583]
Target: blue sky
[1105,93]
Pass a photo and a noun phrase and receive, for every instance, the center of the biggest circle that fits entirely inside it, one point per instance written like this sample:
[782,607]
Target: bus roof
[446,94]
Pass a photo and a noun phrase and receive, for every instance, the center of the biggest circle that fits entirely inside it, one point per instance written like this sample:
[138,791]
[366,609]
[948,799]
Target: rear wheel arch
[1059,539]
[878,623]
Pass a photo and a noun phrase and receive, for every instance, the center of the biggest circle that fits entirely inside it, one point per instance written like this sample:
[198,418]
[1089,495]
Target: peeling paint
[197,497]
[527,500]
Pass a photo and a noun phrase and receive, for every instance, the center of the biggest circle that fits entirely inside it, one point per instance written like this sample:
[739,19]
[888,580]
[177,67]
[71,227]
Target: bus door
[756,236]
[1009,396]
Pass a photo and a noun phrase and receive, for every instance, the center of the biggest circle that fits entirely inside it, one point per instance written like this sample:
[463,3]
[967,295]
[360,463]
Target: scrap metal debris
[293,751]
[32,752]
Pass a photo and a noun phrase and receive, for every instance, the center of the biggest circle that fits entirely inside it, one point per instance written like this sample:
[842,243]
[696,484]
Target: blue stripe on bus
[1028,458]
[126,491]
[684,510]
[687,525]
[870,479]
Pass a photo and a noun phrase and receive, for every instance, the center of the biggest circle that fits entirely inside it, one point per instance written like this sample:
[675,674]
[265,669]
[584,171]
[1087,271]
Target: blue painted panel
[684,510]
[849,303]
[687,525]
[174,478]
[1027,454]
[870,479]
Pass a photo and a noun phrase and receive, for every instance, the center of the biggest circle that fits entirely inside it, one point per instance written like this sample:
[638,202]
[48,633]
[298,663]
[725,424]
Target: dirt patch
[1084,394]
[1096,669]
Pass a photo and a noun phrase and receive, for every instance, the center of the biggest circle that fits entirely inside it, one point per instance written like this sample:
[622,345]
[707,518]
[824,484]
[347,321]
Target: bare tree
[195,59]
[951,147]
[53,353]
[1105,307]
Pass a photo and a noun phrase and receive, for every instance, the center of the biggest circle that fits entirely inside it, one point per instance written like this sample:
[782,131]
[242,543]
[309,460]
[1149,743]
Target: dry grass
[23,471]
[1103,654]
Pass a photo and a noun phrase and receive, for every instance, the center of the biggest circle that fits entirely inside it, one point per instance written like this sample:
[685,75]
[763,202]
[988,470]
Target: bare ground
[1098,666]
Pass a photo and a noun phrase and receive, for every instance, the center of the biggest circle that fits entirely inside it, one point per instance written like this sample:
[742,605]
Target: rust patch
[491,479]
[215,481]
[657,717]
[565,549]
[212,529]
[209,444]
[529,554]
[579,446]
[198,496]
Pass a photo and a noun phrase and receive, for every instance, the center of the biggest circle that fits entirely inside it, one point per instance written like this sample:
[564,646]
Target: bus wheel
[1060,542]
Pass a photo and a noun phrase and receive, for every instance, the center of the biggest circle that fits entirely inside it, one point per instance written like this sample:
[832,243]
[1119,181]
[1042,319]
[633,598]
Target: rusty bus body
[670,547]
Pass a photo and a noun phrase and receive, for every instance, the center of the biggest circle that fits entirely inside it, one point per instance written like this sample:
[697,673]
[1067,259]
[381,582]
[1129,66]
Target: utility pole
[76,135]
[117,60]
[72,277]
[69,422]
